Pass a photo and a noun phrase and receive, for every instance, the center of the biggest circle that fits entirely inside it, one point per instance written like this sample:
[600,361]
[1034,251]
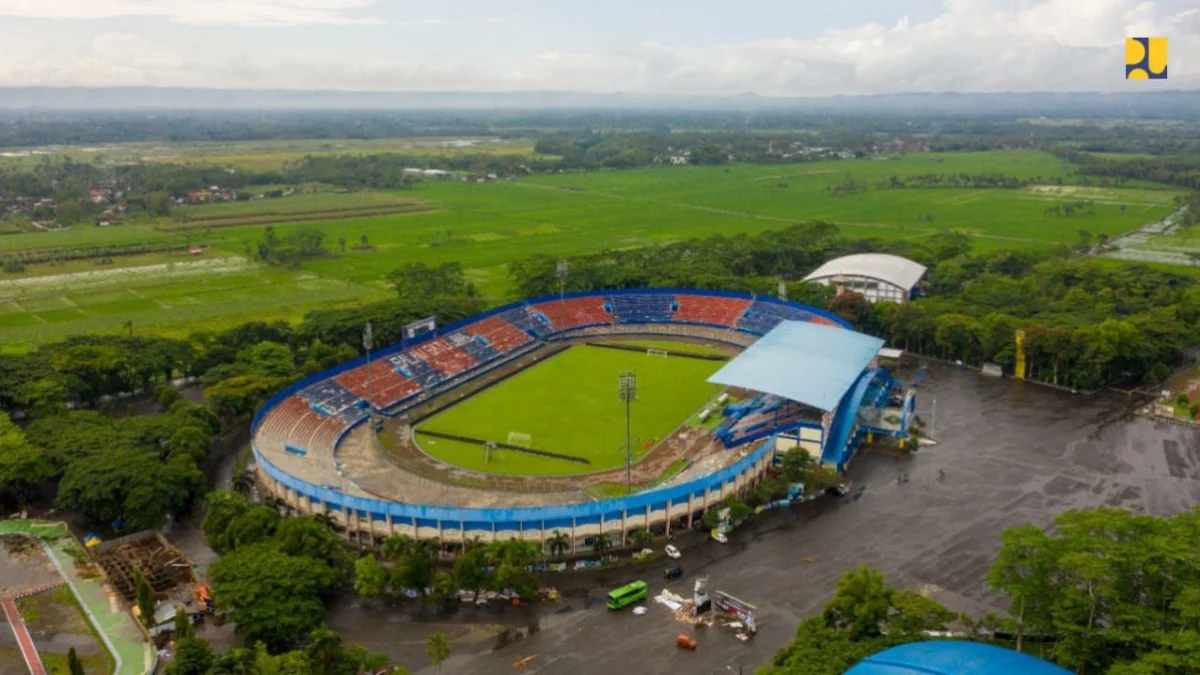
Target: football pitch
[568,405]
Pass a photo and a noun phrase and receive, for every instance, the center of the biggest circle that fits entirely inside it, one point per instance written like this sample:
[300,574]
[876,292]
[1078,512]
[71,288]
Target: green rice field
[486,226]
[568,404]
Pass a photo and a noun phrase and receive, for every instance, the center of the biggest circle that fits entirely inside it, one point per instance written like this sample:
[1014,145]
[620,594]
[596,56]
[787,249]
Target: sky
[661,47]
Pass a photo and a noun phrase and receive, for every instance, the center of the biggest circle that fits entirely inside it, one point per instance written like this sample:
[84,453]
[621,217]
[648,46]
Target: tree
[437,648]
[369,576]
[1023,570]
[642,538]
[342,243]
[305,537]
[146,602]
[242,482]
[22,465]
[559,543]
[271,596]
[860,603]
[443,586]
[74,665]
[192,656]
[418,280]
[183,625]
[468,570]
[601,543]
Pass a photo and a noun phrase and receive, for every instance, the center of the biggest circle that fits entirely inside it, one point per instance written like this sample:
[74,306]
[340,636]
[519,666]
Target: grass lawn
[569,405]
[56,612]
[683,347]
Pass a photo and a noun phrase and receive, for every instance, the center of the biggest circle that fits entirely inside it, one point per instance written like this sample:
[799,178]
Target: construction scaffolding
[163,566]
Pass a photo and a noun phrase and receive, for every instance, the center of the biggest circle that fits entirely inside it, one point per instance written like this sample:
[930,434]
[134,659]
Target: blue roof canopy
[809,363]
[953,657]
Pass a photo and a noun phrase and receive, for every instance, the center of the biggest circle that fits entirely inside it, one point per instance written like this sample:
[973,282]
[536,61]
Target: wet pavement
[1011,453]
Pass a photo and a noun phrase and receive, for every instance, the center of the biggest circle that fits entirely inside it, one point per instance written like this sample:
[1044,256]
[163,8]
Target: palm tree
[642,538]
[326,518]
[396,546]
[559,543]
[601,543]
[242,482]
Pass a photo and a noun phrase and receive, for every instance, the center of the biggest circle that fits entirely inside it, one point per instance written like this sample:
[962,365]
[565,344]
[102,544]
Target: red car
[685,642]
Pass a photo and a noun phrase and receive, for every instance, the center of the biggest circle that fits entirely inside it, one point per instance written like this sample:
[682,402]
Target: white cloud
[200,12]
[972,46]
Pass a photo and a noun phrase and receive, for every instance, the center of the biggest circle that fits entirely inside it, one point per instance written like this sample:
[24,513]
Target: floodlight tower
[627,390]
[367,343]
[561,270]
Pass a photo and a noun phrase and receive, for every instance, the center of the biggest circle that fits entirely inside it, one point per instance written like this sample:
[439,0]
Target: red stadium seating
[445,357]
[709,309]
[387,386]
[574,312]
[500,334]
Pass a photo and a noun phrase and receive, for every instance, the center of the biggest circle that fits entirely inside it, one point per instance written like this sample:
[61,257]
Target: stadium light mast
[562,279]
[367,343]
[627,390]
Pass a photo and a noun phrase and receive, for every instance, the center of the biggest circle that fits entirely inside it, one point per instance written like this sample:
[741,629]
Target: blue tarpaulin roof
[805,362]
[953,657]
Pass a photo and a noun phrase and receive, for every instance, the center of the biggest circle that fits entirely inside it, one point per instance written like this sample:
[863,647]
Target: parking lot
[1011,453]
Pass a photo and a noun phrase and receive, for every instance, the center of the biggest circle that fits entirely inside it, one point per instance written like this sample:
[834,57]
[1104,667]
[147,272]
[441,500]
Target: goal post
[657,353]
[520,440]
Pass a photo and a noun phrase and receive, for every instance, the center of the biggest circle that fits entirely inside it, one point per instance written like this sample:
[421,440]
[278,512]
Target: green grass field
[569,405]
[486,226]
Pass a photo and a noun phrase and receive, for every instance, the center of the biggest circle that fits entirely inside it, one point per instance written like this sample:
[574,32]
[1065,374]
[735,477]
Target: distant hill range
[1148,104]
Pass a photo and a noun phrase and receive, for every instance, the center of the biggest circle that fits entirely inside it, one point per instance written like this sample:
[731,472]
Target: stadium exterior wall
[378,517]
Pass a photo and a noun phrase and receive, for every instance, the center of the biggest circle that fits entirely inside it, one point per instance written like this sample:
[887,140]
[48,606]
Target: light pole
[627,390]
[562,279]
[370,403]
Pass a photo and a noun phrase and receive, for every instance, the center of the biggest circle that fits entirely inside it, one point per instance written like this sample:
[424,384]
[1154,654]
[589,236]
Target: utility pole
[932,418]
[627,390]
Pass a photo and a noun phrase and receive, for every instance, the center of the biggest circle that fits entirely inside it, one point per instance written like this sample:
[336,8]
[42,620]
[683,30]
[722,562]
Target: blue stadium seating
[478,348]
[763,316]
[531,322]
[328,397]
[415,369]
[649,308]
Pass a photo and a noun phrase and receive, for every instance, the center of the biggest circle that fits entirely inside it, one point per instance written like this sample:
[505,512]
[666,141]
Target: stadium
[533,420]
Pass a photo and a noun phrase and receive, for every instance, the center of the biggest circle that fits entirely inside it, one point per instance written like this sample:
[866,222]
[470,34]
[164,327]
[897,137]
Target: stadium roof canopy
[801,361]
[890,268]
[953,657]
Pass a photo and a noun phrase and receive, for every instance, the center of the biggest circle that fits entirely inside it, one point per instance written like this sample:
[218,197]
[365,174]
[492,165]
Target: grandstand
[817,378]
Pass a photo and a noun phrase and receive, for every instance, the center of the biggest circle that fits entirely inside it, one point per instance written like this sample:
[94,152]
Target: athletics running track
[24,641]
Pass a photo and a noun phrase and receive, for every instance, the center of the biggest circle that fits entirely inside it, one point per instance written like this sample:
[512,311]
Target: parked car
[673,572]
[838,490]
[672,552]
[720,538]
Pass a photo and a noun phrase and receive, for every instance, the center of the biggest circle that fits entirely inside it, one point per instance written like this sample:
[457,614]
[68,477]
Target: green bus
[627,594]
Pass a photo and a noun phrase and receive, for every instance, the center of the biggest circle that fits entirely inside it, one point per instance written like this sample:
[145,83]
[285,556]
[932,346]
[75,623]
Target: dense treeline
[142,469]
[1104,592]
[1183,170]
[1087,324]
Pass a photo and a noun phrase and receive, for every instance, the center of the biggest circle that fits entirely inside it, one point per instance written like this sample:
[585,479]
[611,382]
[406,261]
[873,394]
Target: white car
[720,538]
[672,552]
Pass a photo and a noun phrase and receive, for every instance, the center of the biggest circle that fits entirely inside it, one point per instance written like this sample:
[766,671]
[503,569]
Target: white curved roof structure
[892,269]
